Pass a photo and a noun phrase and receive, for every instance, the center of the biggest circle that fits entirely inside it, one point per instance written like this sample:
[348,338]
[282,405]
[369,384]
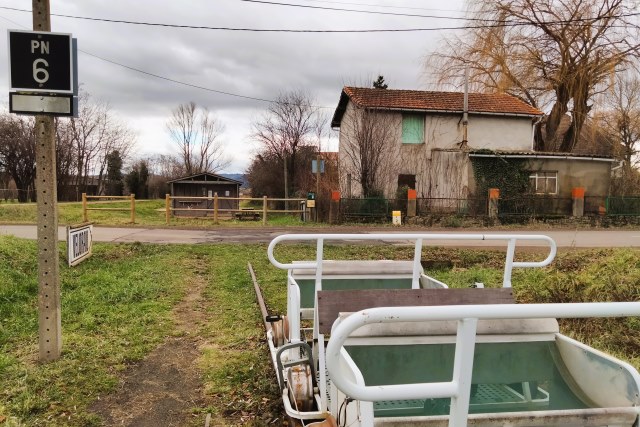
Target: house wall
[438,173]
[593,175]
[484,132]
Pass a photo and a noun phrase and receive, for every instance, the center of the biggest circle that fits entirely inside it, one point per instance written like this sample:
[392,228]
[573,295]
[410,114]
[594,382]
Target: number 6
[42,71]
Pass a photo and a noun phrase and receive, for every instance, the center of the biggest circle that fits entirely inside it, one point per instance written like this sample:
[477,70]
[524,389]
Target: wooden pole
[264,210]
[215,207]
[49,316]
[167,207]
[133,208]
[85,218]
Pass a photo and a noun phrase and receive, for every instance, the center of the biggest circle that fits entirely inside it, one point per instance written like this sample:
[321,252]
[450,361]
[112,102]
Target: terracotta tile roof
[393,99]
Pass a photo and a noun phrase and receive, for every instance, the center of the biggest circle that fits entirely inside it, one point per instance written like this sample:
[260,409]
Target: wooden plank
[332,303]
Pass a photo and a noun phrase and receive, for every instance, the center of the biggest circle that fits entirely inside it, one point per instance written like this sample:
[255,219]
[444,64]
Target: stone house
[425,146]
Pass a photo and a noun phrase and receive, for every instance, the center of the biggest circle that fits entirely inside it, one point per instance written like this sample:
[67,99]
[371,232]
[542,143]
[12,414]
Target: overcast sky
[252,64]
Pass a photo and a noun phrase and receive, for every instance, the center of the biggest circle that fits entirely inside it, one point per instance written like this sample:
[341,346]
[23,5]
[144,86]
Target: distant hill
[238,177]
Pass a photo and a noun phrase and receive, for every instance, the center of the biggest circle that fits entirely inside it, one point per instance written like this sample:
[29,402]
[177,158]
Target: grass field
[117,307]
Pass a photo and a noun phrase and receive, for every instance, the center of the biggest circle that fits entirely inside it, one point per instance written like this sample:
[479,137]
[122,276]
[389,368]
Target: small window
[227,193]
[544,182]
[413,128]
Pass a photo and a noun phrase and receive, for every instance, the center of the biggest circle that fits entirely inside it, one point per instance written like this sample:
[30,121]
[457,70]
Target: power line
[401,30]
[382,6]
[372,12]
[164,77]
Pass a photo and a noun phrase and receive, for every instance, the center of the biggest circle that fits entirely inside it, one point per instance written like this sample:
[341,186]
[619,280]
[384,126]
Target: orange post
[577,196]
[494,195]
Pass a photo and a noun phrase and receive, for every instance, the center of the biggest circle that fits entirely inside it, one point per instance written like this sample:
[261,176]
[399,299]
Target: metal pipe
[342,329]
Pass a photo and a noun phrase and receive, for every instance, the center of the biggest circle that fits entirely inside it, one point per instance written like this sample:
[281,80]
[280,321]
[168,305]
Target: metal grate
[392,407]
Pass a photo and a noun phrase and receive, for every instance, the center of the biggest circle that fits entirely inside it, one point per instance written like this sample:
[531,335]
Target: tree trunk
[557,113]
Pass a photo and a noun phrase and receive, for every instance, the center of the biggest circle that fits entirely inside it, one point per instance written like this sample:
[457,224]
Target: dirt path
[162,389]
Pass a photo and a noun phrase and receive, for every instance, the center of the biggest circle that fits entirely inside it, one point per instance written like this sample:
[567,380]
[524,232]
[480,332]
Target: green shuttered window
[413,128]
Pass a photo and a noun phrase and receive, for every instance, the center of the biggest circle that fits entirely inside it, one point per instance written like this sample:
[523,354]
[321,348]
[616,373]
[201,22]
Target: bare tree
[547,52]
[197,132]
[367,140]
[17,152]
[84,143]
[619,120]
[290,122]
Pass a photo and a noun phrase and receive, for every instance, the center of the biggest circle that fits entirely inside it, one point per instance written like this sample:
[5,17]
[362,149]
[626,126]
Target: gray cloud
[260,65]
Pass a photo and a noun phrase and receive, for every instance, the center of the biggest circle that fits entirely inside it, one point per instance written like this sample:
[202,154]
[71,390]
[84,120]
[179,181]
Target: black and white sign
[40,62]
[79,239]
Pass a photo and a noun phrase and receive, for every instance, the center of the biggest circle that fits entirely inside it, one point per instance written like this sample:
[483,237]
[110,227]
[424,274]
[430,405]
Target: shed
[204,184]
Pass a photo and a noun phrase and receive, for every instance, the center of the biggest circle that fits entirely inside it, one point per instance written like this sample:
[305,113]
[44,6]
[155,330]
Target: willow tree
[554,54]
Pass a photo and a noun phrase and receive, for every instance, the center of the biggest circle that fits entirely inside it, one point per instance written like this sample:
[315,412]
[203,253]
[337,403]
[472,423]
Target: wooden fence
[108,199]
[237,213]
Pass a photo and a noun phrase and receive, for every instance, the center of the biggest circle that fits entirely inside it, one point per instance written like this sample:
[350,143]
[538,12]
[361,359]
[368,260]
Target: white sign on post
[79,240]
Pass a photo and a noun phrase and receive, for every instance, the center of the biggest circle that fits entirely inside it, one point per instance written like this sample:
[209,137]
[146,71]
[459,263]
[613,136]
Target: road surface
[564,238]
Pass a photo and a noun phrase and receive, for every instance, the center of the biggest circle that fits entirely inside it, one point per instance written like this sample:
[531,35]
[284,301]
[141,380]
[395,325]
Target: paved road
[564,238]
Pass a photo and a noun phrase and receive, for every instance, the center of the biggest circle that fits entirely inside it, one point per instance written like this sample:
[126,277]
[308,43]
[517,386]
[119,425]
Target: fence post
[494,195]
[577,194]
[167,207]
[84,208]
[264,210]
[334,207]
[133,208]
[411,202]
[215,207]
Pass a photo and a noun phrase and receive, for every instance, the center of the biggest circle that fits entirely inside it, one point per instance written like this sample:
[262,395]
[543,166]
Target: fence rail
[109,199]
[231,205]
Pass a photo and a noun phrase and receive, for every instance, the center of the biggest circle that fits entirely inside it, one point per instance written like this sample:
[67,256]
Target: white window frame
[544,175]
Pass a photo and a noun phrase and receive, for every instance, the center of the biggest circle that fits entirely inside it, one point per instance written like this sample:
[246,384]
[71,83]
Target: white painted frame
[458,389]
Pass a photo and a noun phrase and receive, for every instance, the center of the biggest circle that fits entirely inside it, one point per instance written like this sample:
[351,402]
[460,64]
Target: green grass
[117,308]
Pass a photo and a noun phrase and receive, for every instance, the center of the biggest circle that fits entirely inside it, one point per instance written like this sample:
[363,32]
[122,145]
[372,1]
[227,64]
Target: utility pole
[49,322]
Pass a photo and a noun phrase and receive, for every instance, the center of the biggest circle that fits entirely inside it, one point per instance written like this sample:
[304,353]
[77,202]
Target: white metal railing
[419,240]
[458,389]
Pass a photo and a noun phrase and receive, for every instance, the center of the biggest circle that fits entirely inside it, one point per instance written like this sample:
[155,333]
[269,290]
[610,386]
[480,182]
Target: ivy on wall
[509,175]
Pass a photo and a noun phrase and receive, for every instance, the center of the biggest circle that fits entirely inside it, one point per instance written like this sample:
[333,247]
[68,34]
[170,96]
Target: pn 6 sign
[40,62]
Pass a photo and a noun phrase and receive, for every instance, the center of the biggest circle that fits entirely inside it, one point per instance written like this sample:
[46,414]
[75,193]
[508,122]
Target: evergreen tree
[379,83]
[137,180]
[115,186]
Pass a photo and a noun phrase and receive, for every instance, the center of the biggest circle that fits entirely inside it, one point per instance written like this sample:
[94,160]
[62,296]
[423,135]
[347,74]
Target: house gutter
[543,156]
